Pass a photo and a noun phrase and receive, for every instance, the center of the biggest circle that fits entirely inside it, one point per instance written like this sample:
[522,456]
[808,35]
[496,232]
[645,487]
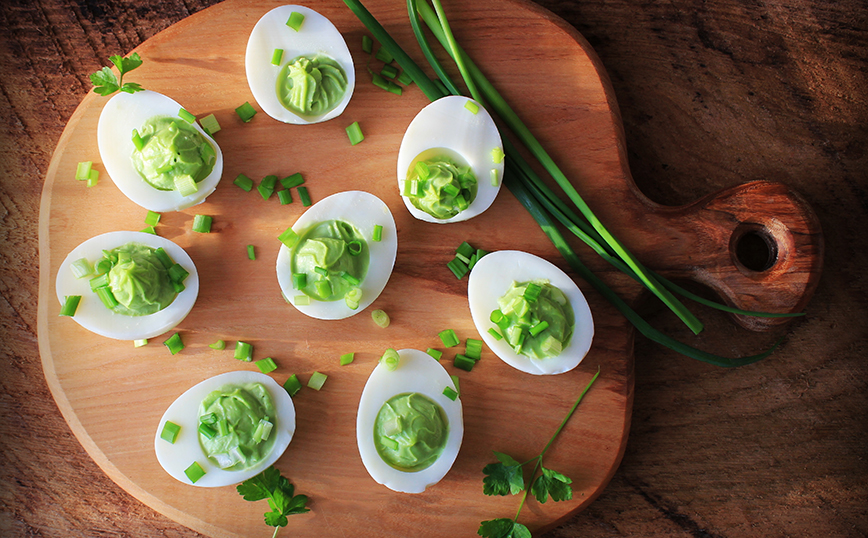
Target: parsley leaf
[551,483]
[278,491]
[503,528]
[504,477]
[106,83]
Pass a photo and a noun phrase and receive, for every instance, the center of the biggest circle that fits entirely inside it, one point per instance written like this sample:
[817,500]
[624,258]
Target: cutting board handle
[759,245]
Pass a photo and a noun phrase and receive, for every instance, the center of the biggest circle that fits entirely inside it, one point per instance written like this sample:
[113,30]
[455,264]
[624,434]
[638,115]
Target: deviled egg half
[529,312]
[450,164]
[226,429]
[298,66]
[408,431]
[133,285]
[158,159]
[342,253]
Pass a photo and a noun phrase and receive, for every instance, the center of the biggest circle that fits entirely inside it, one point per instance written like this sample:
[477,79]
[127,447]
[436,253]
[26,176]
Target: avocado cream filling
[236,416]
[537,319]
[440,186]
[172,149]
[410,432]
[138,280]
[311,86]
[333,257]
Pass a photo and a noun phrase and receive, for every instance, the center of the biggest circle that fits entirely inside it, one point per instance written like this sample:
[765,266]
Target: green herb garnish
[507,478]
[106,83]
[280,493]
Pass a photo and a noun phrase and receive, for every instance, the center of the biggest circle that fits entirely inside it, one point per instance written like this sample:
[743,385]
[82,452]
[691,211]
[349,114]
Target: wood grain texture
[711,95]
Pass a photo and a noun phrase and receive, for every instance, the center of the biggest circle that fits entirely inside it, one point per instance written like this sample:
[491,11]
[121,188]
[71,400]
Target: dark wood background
[712,94]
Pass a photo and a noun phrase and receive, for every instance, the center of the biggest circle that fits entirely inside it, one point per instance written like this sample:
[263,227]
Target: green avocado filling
[439,185]
[172,149]
[235,424]
[311,86]
[410,432]
[535,318]
[138,280]
[333,257]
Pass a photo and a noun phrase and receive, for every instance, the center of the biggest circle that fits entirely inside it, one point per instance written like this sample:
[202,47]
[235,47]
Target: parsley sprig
[506,477]
[106,83]
[277,489]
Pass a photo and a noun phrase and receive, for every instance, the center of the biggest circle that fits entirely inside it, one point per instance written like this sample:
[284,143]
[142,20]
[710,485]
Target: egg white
[490,279]
[184,412]
[416,372]
[93,315]
[317,35]
[125,112]
[364,211]
[447,123]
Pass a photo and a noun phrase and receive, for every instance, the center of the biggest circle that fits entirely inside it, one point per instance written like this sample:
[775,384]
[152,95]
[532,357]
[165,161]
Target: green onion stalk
[543,204]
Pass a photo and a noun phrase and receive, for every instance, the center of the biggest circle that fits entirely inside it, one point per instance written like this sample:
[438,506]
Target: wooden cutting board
[113,395]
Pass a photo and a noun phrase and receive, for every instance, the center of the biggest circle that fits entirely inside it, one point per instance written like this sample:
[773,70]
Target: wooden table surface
[711,94]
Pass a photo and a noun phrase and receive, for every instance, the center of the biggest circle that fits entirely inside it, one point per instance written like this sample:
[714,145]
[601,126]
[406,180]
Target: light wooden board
[113,395]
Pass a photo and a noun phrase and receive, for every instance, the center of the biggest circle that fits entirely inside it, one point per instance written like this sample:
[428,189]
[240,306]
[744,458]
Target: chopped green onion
[497,155]
[107,297]
[305,197]
[451,189]
[350,279]
[186,116]
[269,181]
[208,418]
[389,71]
[316,381]
[219,344]
[450,393]
[394,88]
[266,365]
[276,56]
[251,252]
[323,288]
[538,328]
[244,182]
[288,238]
[222,427]
[465,249]
[422,170]
[448,338]
[531,292]
[472,107]
[194,472]
[245,112]
[177,273]
[294,180]
[178,286]
[302,300]
[388,442]
[243,351]
[170,432]
[174,343]
[81,268]
[473,348]
[390,359]
[137,141]
[354,132]
[299,280]
[98,282]
[347,358]
[210,124]
[93,178]
[207,431]
[458,268]
[378,233]
[436,353]
[355,247]
[462,258]
[380,82]
[321,271]
[353,298]
[264,191]
[464,363]
[263,430]
[405,78]
[284,196]
[103,266]
[551,345]
[494,178]
[493,332]
[82,171]
[384,55]
[295,20]
[367,44]
[202,224]
[186,185]
[70,305]
[455,382]
[164,258]
[292,385]
[149,230]
[152,218]
[381,318]
[140,343]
